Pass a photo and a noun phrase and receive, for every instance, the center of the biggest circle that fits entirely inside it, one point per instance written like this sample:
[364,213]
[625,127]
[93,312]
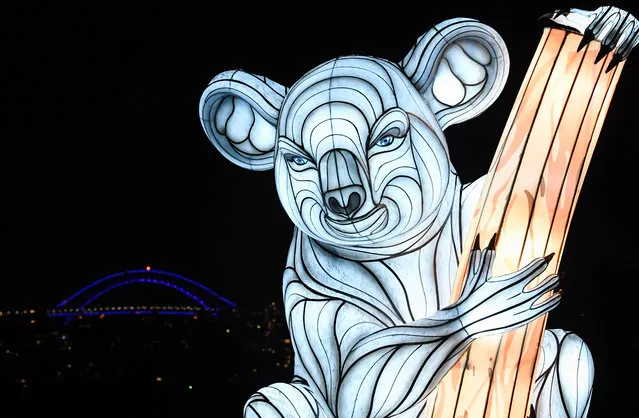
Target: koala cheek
[299,194]
[434,171]
[406,193]
[305,185]
[308,213]
[384,170]
[305,197]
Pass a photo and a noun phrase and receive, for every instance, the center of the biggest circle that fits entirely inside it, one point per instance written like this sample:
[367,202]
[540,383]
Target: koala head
[357,144]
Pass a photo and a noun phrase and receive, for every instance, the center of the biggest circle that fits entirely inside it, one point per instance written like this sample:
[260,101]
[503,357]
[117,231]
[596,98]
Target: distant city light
[148,268]
[274,352]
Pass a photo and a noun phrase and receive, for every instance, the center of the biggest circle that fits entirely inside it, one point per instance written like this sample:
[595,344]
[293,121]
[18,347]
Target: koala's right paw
[490,305]
[616,29]
[243,126]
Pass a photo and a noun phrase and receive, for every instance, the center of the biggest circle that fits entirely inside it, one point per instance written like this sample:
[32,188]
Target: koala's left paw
[616,29]
[490,305]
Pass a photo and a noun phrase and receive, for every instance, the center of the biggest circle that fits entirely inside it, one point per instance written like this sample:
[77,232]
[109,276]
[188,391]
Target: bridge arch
[204,297]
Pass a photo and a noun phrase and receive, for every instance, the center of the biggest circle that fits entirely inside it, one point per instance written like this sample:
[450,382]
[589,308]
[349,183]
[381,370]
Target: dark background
[104,165]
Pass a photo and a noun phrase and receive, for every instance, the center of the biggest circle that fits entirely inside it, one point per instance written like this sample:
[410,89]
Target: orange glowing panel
[528,199]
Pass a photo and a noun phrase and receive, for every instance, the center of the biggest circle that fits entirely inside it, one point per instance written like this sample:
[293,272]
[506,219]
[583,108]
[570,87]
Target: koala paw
[616,29]
[490,305]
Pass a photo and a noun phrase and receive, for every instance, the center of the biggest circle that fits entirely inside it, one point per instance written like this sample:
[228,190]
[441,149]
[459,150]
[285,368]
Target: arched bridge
[85,301]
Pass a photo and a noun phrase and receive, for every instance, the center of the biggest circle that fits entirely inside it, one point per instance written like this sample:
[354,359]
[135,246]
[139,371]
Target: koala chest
[395,290]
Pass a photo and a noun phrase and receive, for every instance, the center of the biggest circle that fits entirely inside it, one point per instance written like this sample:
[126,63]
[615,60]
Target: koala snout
[342,187]
[345,201]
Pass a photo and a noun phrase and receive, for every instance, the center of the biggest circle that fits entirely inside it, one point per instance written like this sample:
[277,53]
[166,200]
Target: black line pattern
[362,169]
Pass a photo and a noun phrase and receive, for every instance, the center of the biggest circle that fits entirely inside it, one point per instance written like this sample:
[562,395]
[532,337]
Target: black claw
[549,257]
[493,241]
[605,50]
[587,38]
[564,12]
[623,51]
[550,15]
[616,59]
[476,243]
[555,14]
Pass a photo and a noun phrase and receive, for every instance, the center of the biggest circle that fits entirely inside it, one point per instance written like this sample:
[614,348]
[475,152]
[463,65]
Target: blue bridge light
[81,303]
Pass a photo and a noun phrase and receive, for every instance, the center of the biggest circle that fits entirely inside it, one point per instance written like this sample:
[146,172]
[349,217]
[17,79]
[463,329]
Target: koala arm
[383,370]
[390,370]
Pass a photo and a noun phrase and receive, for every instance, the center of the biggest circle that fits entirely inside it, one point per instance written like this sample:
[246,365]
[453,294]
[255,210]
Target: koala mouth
[364,225]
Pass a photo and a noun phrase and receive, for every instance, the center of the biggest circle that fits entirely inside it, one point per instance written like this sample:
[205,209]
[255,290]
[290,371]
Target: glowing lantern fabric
[528,199]
[385,286]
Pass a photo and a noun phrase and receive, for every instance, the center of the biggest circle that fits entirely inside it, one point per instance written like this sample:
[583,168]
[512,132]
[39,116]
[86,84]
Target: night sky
[105,166]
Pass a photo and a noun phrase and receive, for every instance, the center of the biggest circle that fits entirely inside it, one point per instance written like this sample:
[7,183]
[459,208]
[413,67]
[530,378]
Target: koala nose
[341,183]
[345,201]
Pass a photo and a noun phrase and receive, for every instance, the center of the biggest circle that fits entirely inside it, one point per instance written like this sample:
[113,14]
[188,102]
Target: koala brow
[393,122]
[286,145]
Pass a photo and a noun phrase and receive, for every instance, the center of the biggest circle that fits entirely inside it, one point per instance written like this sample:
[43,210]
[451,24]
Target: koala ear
[239,113]
[460,68]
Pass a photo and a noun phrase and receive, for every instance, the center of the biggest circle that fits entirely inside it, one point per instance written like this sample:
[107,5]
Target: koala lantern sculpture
[363,171]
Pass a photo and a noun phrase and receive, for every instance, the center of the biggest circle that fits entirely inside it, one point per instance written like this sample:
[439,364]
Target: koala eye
[297,159]
[385,141]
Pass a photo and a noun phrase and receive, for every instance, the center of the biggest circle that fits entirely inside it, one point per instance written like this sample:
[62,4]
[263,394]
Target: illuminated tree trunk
[528,199]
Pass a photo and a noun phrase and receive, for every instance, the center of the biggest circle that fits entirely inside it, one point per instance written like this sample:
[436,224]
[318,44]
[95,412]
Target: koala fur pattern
[363,171]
